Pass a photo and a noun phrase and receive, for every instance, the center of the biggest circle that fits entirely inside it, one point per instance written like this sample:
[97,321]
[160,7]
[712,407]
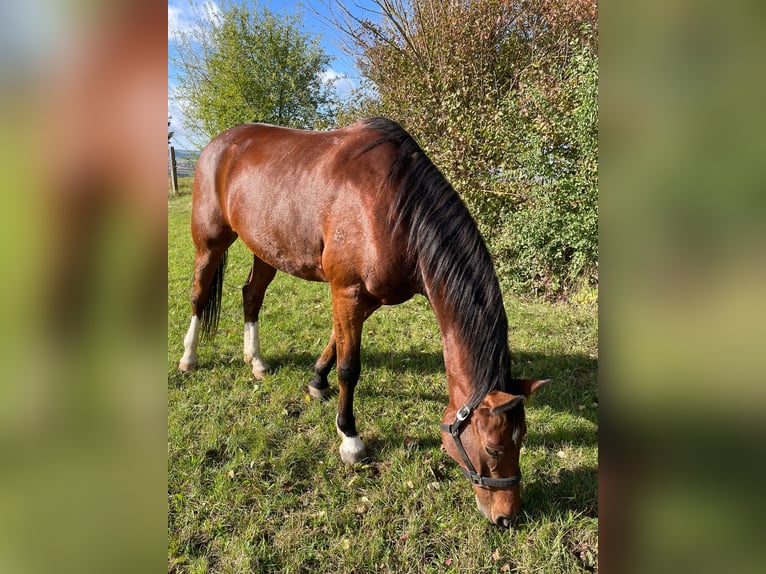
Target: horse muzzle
[498,517]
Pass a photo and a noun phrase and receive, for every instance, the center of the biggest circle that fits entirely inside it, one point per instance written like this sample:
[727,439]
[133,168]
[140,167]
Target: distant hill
[185,153]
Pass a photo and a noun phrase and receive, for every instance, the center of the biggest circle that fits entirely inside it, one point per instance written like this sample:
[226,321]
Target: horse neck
[457,361]
[469,354]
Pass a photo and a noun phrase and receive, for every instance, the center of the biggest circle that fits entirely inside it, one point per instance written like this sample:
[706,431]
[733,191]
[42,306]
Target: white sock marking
[351,448]
[252,350]
[191,340]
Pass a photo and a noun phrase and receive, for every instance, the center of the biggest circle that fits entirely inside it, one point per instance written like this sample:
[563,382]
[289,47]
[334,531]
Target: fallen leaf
[448,562]
[496,555]
[506,568]
[404,536]
[230,474]
[409,484]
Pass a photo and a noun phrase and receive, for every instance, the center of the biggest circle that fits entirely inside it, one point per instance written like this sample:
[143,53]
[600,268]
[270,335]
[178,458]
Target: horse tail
[211,312]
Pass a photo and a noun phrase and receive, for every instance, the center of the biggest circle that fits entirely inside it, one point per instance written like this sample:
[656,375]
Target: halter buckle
[463,413]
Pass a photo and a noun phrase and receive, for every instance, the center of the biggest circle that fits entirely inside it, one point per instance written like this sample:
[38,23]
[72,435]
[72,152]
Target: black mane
[451,256]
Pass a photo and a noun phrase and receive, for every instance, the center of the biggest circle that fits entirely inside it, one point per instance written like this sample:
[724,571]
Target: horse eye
[492,452]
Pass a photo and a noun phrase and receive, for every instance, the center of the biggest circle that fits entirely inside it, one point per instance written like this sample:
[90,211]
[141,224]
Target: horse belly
[290,248]
[298,256]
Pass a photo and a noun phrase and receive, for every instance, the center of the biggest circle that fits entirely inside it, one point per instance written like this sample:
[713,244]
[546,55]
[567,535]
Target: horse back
[311,204]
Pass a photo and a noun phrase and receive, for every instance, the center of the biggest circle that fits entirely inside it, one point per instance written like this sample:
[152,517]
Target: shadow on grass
[572,490]
[574,376]
[559,437]
[422,363]
[380,446]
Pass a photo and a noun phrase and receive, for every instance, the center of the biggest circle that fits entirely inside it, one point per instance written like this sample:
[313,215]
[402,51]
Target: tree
[436,68]
[240,64]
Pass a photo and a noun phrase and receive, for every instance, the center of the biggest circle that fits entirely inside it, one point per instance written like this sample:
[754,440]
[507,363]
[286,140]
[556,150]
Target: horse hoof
[352,450]
[260,374]
[260,369]
[319,394]
[186,367]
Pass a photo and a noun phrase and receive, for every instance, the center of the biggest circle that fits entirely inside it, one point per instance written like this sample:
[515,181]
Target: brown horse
[365,210]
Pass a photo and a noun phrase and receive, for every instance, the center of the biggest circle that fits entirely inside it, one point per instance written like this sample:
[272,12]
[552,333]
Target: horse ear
[529,386]
[500,402]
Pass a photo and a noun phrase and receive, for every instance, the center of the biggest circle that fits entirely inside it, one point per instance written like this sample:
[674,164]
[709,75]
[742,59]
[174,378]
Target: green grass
[184,187]
[255,480]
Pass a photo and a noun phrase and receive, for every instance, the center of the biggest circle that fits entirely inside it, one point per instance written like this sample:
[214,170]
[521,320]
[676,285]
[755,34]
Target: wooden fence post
[173,170]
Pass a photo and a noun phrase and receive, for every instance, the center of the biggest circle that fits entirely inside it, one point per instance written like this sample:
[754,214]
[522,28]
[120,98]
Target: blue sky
[342,68]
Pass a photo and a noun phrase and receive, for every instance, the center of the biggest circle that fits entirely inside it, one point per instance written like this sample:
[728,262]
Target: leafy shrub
[544,235]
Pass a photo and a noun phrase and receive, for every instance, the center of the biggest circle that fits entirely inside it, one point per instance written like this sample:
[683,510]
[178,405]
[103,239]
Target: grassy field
[255,481]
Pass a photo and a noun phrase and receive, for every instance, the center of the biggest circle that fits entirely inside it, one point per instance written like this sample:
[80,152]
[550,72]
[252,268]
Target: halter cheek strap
[470,473]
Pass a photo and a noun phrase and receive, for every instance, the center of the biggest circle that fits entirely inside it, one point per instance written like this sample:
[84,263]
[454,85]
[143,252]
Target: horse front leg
[349,313]
[319,388]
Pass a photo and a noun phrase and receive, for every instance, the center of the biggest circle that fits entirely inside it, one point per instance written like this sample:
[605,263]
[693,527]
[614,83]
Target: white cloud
[342,84]
[179,19]
[183,16]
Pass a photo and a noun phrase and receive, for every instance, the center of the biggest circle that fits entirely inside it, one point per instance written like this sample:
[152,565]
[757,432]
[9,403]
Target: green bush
[543,231]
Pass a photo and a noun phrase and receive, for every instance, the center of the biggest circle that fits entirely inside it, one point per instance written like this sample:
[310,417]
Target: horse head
[485,440]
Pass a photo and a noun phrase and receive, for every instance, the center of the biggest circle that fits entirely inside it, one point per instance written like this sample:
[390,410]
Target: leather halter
[470,473]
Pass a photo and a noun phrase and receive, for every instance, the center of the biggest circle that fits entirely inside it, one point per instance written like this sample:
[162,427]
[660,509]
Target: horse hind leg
[209,266]
[253,292]
[188,362]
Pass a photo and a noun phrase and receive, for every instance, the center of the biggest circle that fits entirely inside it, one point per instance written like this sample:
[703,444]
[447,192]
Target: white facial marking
[252,350]
[482,508]
[191,340]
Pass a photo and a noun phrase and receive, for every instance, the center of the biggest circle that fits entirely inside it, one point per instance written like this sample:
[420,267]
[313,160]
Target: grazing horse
[365,210]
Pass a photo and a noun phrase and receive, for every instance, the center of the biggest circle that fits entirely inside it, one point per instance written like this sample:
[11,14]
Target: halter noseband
[470,472]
